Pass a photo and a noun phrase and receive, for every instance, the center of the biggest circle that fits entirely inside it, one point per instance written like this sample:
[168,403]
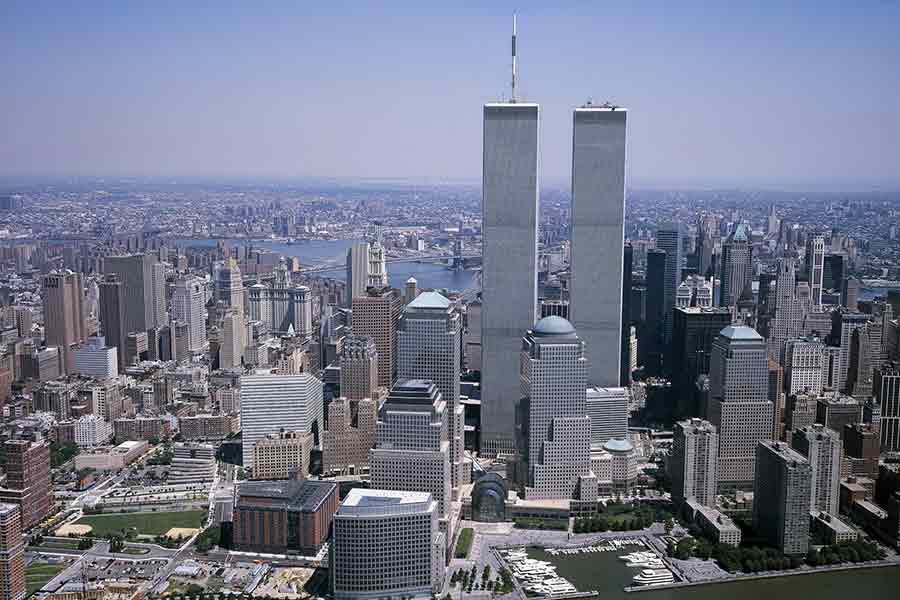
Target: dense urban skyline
[742,95]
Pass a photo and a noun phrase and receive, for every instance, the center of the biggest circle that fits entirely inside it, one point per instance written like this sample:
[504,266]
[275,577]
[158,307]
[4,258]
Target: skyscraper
[739,405]
[412,451]
[231,351]
[608,410]
[375,315]
[359,367]
[736,266]
[814,267]
[377,273]
[509,271]
[230,286]
[821,447]
[627,279]
[429,346]
[805,366]
[693,333]
[556,427]
[788,320]
[781,497]
[598,209]
[694,462]
[64,326]
[886,389]
[357,271]
[668,238]
[273,402]
[141,293]
[12,554]
[188,306]
[112,314]
[651,334]
[283,306]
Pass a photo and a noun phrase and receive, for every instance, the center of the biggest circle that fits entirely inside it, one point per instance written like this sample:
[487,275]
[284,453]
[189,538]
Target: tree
[486,574]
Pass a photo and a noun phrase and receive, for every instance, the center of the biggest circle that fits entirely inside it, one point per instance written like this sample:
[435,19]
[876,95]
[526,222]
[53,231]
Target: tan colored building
[64,324]
[375,315]
[207,427]
[359,367]
[12,554]
[344,445]
[278,455]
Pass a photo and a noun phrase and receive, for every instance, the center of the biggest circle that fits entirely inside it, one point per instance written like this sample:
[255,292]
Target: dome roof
[618,445]
[553,325]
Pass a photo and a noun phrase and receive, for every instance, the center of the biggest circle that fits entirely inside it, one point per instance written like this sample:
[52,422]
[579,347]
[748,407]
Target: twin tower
[510,206]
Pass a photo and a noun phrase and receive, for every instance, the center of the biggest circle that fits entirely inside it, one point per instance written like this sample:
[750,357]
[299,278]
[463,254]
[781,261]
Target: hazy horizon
[770,96]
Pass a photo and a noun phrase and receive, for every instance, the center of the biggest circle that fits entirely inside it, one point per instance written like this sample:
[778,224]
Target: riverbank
[763,576]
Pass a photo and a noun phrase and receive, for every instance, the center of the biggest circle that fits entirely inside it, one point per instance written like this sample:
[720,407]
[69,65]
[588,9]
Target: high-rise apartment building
[781,497]
[694,462]
[12,553]
[28,480]
[189,307]
[598,209]
[736,266]
[359,367]
[412,449]
[270,403]
[387,545]
[668,238]
[64,325]
[821,447]
[556,427]
[509,272]
[814,267]
[739,405]
[429,346]
[375,315]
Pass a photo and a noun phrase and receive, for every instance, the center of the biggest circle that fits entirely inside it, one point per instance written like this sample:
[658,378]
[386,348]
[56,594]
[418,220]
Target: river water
[607,575]
[334,252]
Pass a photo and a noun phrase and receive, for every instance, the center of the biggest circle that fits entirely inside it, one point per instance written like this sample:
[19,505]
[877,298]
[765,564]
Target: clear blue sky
[740,93]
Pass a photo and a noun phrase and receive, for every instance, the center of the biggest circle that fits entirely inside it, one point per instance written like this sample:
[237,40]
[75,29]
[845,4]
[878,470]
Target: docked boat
[654,577]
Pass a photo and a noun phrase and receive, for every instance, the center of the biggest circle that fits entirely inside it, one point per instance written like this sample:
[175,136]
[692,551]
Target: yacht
[654,577]
[638,556]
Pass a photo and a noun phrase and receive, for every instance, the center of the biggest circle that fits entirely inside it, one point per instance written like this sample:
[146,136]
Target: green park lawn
[146,523]
[39,573]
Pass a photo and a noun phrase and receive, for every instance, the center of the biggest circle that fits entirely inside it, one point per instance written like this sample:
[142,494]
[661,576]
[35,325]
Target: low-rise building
[284,517]
[111,459]
[282,455]
[192,463]
[713,523]
[208,427]
[142,428]
[831,529]
[90,431]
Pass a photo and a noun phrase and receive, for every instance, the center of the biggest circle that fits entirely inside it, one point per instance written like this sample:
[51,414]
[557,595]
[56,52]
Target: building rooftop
[620,445]
[304,495]
[553,325]
[430,300]
[366,502]
[741,333]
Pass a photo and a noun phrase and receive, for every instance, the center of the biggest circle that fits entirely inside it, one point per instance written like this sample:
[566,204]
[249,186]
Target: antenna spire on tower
[513,98]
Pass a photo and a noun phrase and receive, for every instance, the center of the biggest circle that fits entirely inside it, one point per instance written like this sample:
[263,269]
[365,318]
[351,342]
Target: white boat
[654,577]
[638,556]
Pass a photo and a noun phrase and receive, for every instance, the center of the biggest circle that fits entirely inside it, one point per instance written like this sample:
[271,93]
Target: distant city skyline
[749,95]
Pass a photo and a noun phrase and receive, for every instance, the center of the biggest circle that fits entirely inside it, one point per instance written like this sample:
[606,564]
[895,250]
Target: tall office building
[805,366]
[112,313]
[376,276]
[509,272]
[788,320]
[412,450]
[28,481]
[343,445]
[598,210]
[739,405]
[270,403]
[608,410]
[821,447]
[357,271]
[814,267]
[651,335]
[835,411]
[359,367]
[556,427]
[886,388]
[375,315]
[231,351]
[189,307]
[64,325]
[394,532]
[694,462]
[626,356]
[230,286]
[736,270]
[140,289]
[850,293]
[283,306]
[833,272]
[159,317]
[694,330]
[668,238]
[781,497]
[846,322]
[12,554]
[96,359]
[429,346]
